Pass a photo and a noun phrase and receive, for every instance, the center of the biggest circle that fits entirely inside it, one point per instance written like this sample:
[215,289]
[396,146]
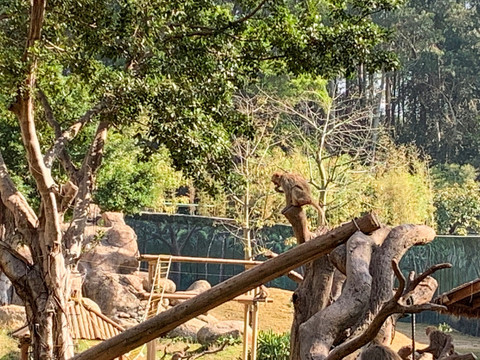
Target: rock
[196,288]
[133,280]
[117,251]
[12,316]
[209,319]
[124,322]
[169,285]
[188,329]
[199,286]
[211,332]
[112,218]
[109,293]
[6,290]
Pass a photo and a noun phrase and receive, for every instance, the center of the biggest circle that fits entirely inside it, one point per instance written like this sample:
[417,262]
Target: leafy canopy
[173,66]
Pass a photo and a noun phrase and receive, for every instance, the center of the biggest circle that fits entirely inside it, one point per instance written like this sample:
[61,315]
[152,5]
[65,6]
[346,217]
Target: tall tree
[435,95]
[71,70]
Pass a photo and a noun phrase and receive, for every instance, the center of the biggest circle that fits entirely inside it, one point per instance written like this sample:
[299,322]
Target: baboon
[296,190]
[441,344]
[379,352]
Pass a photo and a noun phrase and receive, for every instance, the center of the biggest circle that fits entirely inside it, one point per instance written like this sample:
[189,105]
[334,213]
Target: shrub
[273,346]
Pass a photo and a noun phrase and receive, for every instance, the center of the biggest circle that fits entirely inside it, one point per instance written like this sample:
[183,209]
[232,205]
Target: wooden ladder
[162,271]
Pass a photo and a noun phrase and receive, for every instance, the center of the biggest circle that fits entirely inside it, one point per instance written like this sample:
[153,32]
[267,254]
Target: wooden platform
[463,300]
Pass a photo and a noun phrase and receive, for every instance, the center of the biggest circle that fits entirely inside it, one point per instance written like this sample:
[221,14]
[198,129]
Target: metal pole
[413,336]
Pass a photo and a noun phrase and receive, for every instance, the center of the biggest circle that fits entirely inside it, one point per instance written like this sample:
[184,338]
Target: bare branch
[388,309]
[49,113]
[413,284]
[401,280]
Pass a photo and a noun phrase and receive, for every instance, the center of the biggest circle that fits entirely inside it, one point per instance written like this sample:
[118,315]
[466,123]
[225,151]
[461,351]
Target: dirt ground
[278,316]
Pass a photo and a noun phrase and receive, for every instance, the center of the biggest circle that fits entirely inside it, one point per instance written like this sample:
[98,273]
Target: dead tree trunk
[359,315]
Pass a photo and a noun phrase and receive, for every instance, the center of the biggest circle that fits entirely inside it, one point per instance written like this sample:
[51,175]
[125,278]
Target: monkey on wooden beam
[296,189]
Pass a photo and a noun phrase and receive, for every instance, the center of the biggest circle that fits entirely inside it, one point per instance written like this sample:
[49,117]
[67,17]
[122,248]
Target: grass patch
[8,346]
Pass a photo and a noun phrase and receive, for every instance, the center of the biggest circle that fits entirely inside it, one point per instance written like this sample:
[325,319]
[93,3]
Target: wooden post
[152,349]
[254,330]
[227,290]
[24,346]
[246,326]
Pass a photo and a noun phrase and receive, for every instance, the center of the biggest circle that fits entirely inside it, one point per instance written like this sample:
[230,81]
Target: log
[317,340]
[227,290]
[293,275]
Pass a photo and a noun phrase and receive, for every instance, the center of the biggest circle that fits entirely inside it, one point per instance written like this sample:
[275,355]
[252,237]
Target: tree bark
[318,333]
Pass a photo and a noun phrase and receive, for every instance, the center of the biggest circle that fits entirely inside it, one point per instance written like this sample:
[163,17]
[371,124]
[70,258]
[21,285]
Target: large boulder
[111,293]
[199,286]
[211,332]
[12,316]
[195,288]
[188,329]
[117,250]
[169,285]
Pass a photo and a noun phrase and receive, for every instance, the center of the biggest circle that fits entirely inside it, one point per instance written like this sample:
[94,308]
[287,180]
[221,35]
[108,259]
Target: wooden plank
[246,333]
[81,326]
[463,292]
[476,302]
[74,323]
[254,330]
[229,289]
[152,349]
[196,260]
[181,295]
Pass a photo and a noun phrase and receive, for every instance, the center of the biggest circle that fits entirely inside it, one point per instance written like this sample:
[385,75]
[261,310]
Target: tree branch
[14,265]
[25,218]
[49,113]
[417,280]
[58,148]
[86,182]
[207,31]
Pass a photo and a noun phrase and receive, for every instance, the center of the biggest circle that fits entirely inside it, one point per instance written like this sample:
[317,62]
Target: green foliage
[458,208]
[457,199]
[273,346]
[402,190]
[437,89]
[449,174]
[175,65]
[127,183]
[444,327]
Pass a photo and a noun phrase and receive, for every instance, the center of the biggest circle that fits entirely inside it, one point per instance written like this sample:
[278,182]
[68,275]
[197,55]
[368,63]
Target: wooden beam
[196,260]
[180,295]
[469,290]
[293,275]
[152,261]
[476,303]
[228,290]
